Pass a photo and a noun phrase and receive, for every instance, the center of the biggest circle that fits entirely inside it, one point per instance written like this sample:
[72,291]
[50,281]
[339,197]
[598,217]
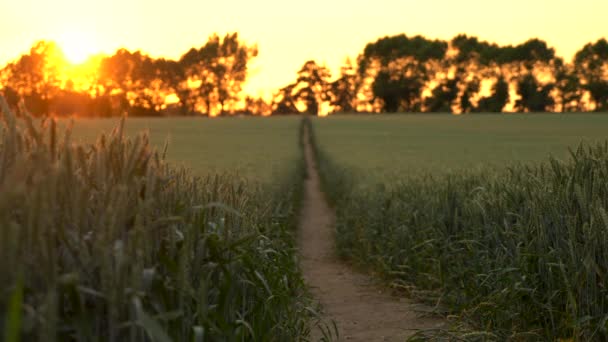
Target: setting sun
[77,47]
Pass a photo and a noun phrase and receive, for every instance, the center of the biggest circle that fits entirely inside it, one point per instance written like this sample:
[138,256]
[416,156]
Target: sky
[288,33]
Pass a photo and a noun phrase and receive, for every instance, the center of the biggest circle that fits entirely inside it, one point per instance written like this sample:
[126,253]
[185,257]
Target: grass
[516,250]
[108,241]
[383,146]
[257,149]
[102,237]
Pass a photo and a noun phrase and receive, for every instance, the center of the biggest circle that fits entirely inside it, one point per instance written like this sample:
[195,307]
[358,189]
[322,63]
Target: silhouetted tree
[534,97]
[148,92]
[397,73]
[343,91]
[521,66]
[442,96]
[568,86]
[471,49]
[400,92]
[173,75]
[312,86]
[400,65]
[36,76]
[257,106]
[497,100]
[531,61]
[284,102]
[116,79]
[530,53]
[219,68]
[470,90]
[135,81]
[473,61]
[591,63]
[311,89]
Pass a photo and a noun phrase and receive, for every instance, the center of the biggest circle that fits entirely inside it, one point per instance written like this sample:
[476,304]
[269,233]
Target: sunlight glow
[76,46]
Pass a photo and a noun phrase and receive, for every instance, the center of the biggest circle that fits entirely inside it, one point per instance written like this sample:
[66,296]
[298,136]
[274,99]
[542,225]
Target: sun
[76,46]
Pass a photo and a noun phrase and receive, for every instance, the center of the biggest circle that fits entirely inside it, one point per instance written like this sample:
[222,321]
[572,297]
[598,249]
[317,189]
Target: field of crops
[472,215]
[127,246]
[254,148]
[386,146]
[469,214]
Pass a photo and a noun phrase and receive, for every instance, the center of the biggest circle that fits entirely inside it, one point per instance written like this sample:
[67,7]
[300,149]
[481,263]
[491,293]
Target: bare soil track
[361,309]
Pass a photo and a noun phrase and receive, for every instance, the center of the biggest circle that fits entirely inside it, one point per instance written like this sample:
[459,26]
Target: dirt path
[361,310]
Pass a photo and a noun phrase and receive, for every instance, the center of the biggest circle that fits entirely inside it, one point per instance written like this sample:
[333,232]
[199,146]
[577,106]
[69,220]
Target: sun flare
[77,47]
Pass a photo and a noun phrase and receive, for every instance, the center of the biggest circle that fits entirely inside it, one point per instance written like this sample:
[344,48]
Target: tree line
[393,74]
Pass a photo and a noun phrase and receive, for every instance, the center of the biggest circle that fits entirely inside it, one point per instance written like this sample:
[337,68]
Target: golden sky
[290,32]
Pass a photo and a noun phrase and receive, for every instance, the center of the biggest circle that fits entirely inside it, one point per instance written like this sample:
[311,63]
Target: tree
[173,75]
[36,76]
[343,91]
[498,100]
[470,49]
[534,97]
[400,92]
[257,106]
[148,93]
[529,54]
[443,96]
[471,88]
[400,67]
[134,79]
[568,86]
[115,81]
[591,63]
[522,65]
[219,69]
[312,86]
[283,102]
[311,89]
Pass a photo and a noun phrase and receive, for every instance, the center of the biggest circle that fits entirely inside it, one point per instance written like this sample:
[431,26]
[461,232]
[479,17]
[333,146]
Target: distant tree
[312,86]
[257,106]
[391,91]
[499,98]
[400,65]
[443,96]
[531,60]
[471,50]
[311,89]
[521,66]
[529,54]
[219,68]
[36,76]
[473,61]
[591,63]
[115,81]
[133,79]
[400,92]
[534,97]
[396,73]
[343,91]
[284,102]
[173,75]
[201,78]
[148,92]
[568,87]
[470,90]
